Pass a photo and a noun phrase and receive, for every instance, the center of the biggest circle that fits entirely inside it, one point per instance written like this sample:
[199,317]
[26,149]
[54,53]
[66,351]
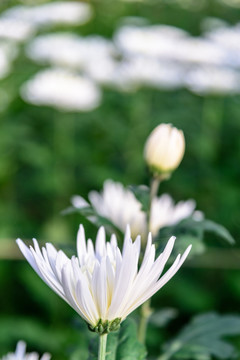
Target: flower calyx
[105,327]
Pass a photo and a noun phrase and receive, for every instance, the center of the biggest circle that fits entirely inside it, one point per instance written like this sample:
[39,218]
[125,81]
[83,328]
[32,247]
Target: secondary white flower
[158,41]
[117,204]
[71,50]
[59,12]
[164,149]
[139,70]
[121,207]
[15,29]
[102,284]
[62,89]
[164,212]
[20,354]
[213,80]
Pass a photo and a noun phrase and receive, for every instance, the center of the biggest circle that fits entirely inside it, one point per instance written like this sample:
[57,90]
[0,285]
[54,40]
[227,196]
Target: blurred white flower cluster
[139,55]
[19,22]
[121,207]
[20,354]
[158,56]
[62,89]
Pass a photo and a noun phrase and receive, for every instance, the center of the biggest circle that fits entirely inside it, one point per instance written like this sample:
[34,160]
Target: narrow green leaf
[217,229]
[204,337]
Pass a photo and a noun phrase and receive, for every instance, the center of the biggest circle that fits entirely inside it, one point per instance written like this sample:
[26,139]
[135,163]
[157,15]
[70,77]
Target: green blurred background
[47,155]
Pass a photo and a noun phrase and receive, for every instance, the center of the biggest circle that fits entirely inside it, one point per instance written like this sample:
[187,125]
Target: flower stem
[102,347]
[155,182]
[145,310]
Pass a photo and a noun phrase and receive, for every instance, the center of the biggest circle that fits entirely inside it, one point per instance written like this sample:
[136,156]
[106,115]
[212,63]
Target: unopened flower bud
[164,149]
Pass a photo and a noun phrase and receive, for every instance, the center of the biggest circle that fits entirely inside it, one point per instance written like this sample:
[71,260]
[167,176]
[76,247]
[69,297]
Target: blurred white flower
[59,12]
[61,89]
[213,80]
[199,51]
[121,207]
[8,52]
[168,43]
[138,71]
[164,212]
[20,354]
[164,149]
[159,41]
[103,284]
[228,39]
[15,29]
[70,50]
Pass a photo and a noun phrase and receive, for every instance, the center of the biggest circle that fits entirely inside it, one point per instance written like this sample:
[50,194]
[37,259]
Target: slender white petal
[103,283]
[126,209]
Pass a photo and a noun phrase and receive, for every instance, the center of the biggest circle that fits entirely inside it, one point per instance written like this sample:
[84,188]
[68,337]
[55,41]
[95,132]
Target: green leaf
[142,194]
[190,231]
[209,225]
[162,317]
[129,347]
[183,241]
[202,226]
[98,220]
[204,337]
[122,345]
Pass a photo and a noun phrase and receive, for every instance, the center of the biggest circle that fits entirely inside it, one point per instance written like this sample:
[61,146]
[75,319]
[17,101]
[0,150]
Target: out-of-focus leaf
[183,241]
[202,226]
[190,231]
[205,337]
[122,345]
[54,339]
[98,220]
[142,194]
[162,317]
[209,225]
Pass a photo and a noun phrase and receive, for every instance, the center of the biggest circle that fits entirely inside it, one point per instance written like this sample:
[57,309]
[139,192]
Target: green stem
[102,347]
[155,182]
[145,310]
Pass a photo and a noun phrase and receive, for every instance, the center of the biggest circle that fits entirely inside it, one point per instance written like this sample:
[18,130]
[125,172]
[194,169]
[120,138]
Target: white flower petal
[103,283]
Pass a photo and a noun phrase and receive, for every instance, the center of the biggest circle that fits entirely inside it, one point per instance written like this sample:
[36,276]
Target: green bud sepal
[105,327]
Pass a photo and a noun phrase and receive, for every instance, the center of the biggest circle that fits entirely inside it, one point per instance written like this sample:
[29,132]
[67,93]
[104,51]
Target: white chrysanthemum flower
[59,12]
[117,204]
[213,80]
[102,284]
[15,29]
[20,354]
[158,41]
[121,207]
[67,49]
[62,89]
[139,70]
[164,212]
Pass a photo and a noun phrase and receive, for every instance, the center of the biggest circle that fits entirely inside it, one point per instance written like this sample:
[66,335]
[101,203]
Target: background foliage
[48,155]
